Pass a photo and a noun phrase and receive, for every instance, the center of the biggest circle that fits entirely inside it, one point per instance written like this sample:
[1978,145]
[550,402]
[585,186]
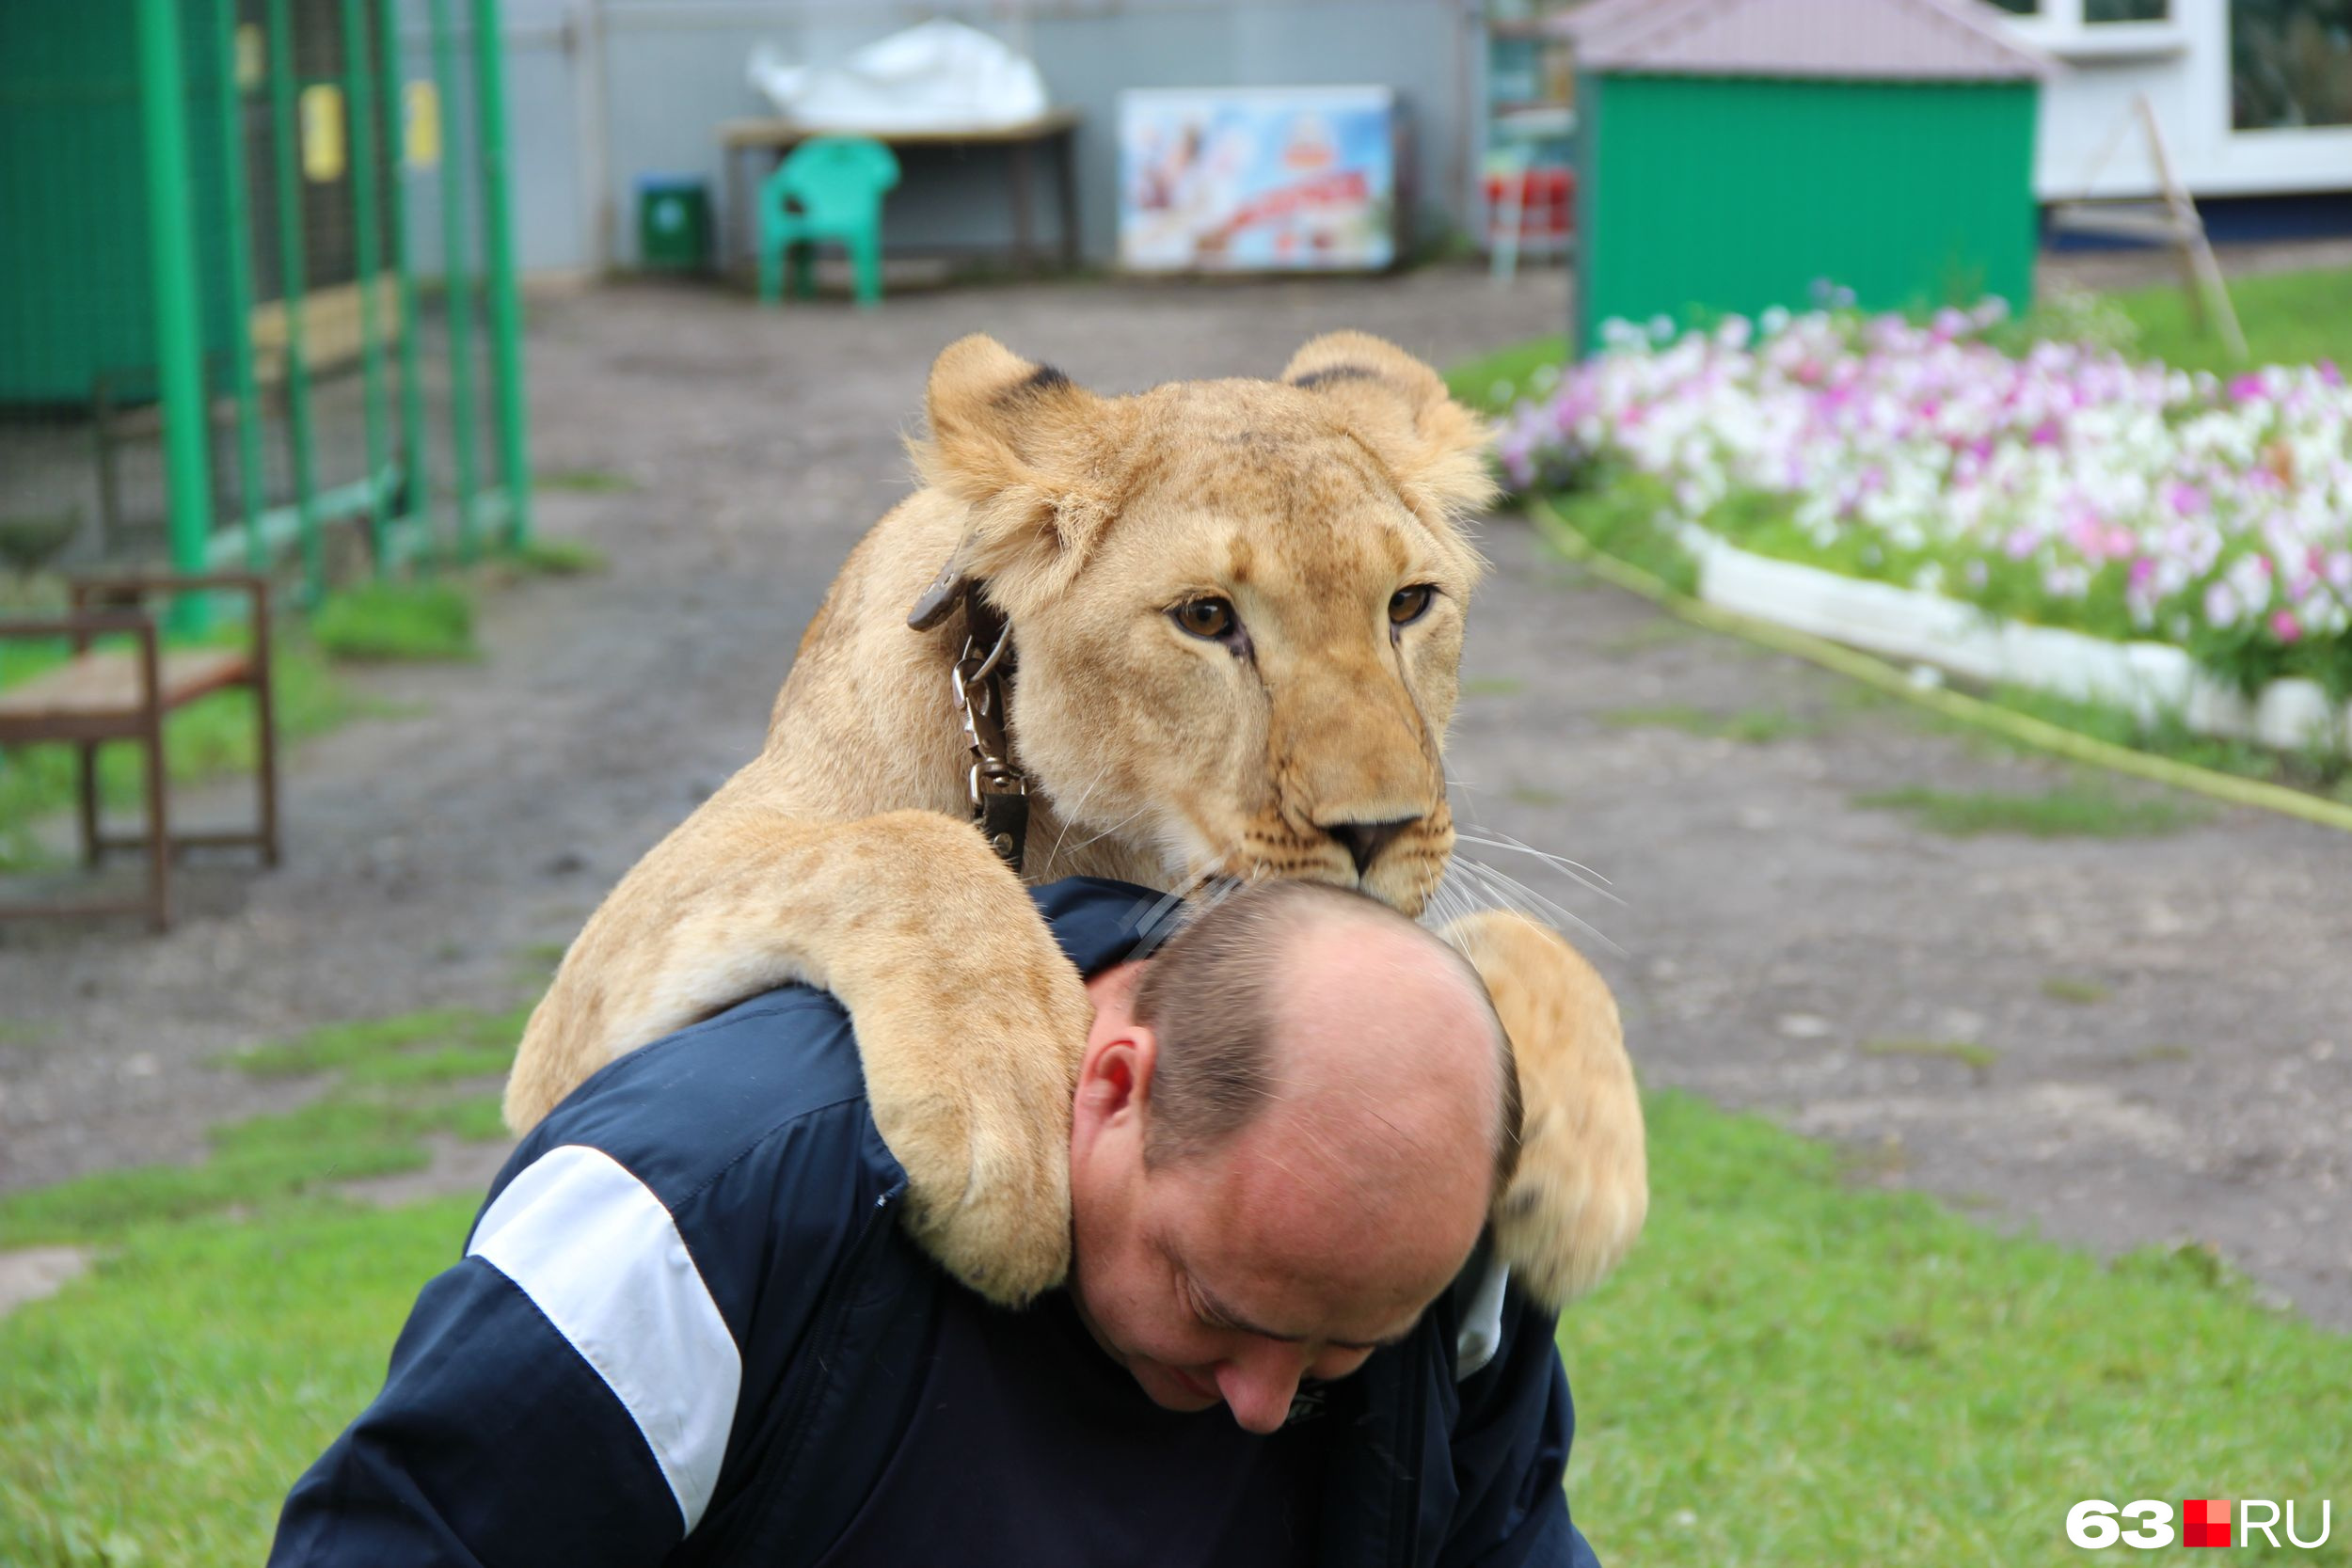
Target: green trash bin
[672,224]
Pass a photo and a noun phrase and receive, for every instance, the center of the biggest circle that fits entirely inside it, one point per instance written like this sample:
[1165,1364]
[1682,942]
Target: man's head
[1289,1127]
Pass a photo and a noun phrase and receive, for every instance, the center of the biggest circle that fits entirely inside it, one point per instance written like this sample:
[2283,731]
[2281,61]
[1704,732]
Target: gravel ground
[1771,931]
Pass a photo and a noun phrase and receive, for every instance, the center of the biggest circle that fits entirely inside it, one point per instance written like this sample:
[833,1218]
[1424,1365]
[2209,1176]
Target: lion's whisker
[1575,870]
[1446,906]
[1512,892]
[1093,839]
[1077,805]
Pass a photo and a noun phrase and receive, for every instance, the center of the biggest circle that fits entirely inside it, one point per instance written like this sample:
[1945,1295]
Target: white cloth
[940,76]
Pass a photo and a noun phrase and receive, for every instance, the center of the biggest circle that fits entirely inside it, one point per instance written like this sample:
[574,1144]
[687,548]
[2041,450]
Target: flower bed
[2064,485]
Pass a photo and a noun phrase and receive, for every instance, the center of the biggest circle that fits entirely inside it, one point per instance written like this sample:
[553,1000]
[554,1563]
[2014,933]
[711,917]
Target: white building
[2254,96]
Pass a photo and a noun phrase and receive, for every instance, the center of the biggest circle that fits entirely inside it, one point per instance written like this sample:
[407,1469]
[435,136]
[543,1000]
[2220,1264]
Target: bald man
[687,1328]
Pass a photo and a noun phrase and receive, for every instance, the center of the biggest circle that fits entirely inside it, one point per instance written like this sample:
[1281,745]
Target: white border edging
[2148,678]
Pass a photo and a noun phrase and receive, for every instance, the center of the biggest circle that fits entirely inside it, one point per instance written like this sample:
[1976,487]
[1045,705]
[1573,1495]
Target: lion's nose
[1365,840]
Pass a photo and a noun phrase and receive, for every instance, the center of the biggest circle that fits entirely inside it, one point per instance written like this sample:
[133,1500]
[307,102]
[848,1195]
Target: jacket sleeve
[1511,1453]
[494,1441]
[567,1394]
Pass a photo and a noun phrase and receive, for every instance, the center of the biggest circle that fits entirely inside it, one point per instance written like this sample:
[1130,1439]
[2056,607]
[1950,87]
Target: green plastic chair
[830,188]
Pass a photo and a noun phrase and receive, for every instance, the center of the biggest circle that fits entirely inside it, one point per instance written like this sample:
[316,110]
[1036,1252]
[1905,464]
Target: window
[2020,7]
[2127,10]
[2290,64]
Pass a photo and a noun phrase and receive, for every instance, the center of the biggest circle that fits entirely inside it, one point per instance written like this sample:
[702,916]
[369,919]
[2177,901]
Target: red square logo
[2205,1521]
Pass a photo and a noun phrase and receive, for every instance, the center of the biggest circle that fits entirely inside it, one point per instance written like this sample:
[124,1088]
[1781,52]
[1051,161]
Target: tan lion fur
[841,855]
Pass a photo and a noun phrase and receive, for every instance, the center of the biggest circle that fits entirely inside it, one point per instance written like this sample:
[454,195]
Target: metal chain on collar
[998,791]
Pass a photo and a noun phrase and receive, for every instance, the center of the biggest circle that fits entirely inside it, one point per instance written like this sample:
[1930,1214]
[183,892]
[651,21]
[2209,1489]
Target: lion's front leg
[970,1022]
[1575,1206]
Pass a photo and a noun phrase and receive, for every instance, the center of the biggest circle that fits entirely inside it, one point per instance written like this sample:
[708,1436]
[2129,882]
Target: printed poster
[1257,180]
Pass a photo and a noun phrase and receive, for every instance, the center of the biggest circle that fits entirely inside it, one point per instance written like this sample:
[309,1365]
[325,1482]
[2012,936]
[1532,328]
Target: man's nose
[1259,1385]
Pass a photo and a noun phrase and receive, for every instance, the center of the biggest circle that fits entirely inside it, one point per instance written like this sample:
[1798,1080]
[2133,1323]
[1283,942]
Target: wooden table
[1057,131]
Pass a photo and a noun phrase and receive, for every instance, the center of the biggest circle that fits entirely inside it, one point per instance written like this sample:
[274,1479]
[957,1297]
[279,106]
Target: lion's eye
[1407,605]
[1208,618]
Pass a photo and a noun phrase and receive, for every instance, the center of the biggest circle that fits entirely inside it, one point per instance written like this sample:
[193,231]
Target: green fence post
[505,302]
[292,285]
[180,346]
[251,486]
[359,102]
[415,491]
[457,293]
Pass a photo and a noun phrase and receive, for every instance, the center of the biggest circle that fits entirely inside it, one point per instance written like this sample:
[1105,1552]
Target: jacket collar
[1100,922]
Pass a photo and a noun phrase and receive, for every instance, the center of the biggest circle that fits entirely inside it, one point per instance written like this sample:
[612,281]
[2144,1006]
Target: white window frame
[2058,28]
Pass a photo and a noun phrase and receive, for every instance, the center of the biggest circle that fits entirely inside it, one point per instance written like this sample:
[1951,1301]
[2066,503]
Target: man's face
[1228,1276]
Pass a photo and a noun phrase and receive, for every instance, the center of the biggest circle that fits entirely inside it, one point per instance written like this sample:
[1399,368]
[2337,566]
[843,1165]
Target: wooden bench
[104,694]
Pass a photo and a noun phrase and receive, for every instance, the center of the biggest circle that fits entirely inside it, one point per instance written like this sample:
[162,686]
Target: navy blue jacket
[687,1329]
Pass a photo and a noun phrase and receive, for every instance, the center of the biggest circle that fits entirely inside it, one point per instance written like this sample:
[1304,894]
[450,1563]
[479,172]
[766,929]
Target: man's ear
[1433,447]
[1115,1078]
[1029,452]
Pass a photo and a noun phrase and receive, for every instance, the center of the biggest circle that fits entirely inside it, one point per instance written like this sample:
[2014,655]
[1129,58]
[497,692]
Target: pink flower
[2285,627]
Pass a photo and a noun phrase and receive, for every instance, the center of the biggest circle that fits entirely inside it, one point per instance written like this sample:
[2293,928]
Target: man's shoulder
[773,1089]
[680,1113]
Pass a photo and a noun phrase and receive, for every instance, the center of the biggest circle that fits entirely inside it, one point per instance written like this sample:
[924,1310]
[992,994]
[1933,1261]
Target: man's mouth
[1197,1387]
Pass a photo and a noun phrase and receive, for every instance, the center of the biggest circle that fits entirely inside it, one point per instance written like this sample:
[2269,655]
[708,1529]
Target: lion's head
[1238,605]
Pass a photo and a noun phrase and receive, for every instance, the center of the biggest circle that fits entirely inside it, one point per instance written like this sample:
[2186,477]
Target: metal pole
[498,233]
[252,481]
[457,293]
[596,154]
[180,345]
[413,494]
[293,284]
[359,101]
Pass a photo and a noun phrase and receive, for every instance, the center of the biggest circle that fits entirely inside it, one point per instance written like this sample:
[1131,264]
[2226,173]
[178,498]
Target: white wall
[660,76]
[2183,67]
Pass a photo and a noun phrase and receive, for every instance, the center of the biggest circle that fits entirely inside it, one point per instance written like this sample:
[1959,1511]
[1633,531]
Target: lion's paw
[977,1111]
[1576,1204]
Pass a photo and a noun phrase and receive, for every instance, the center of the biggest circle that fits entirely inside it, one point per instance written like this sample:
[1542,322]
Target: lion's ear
[1435,447]
[1027,449]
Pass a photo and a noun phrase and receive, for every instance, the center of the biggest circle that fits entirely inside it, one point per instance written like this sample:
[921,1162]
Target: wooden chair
[104,694]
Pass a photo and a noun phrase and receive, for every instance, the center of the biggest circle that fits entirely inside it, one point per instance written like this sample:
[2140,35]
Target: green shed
[208,271]
[1732,154]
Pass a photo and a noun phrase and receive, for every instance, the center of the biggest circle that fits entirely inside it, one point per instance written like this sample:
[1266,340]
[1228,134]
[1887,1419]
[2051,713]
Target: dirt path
[1771,930]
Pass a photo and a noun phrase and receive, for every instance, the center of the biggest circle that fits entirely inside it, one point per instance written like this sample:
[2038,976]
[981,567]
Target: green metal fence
[257,285]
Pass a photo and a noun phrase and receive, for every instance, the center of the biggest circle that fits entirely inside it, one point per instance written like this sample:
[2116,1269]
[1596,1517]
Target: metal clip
[980,707]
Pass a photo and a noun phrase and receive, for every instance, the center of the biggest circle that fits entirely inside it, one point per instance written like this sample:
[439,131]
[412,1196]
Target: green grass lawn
[376,621]
[1792,1369]
[1755,726]
[394,1081]
[2086,809]
[2291,318]
[157,1411]
[1493,382]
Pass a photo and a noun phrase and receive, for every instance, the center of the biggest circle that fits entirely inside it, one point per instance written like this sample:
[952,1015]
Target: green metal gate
[257,282]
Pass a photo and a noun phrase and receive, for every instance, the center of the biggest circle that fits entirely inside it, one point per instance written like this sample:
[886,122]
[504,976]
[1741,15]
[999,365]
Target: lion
[1235,612]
